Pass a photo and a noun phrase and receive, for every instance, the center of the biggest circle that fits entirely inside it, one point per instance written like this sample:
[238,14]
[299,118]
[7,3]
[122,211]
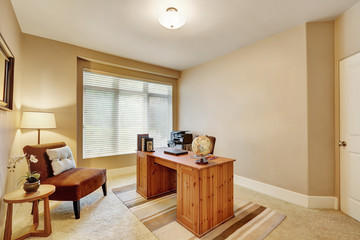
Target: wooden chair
[213,140]
[72,184]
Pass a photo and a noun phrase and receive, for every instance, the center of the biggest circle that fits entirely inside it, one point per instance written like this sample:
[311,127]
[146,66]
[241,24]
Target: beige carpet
[108,218]
[251,220]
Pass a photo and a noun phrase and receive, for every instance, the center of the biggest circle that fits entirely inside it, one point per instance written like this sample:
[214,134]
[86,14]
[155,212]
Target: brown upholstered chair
[72,184]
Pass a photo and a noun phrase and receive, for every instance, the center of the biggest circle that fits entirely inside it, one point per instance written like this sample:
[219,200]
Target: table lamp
[38,120]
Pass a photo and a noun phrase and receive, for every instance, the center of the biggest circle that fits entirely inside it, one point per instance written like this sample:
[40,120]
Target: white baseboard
[326,202]
[120,171]
[323,202]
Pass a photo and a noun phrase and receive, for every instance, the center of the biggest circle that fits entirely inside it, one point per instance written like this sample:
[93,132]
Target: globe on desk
[202,146]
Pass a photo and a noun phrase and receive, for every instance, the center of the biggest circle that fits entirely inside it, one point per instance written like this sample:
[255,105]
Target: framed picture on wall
[7,61]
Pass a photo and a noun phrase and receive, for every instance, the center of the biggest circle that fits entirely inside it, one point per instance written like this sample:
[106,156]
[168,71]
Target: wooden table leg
[35,214]
[8,224]
[47,220]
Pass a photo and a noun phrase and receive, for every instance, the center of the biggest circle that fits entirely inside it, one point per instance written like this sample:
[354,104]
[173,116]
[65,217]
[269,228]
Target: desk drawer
[165,163]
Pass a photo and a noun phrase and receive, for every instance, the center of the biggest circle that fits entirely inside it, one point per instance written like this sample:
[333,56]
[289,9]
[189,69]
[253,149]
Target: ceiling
[130,28]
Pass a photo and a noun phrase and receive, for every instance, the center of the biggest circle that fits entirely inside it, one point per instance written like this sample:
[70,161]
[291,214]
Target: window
[116,109]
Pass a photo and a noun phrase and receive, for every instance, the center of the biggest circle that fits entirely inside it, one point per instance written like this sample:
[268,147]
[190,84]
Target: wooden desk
[20,196]
[204,192]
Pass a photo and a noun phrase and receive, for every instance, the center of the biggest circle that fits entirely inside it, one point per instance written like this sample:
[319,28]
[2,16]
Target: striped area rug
[251,221]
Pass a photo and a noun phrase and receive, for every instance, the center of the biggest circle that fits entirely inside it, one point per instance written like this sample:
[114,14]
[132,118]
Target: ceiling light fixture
[172,19]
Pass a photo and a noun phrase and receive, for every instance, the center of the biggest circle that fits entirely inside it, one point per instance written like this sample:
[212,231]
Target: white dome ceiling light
[172,19]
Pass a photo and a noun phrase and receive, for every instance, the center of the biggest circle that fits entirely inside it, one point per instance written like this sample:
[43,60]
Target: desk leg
[8,224]
[204,198]
[188,200]
[47,220]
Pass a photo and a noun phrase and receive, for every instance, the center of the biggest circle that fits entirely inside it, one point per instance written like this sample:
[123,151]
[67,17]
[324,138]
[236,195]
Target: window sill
[106,156]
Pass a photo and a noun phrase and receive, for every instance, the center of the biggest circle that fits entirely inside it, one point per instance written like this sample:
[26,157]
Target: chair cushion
[43,166]
[61,159]
[76,183]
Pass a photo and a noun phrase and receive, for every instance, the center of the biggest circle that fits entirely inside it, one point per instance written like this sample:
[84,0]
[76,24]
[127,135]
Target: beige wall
[267,104]
[9,120]
[254,100]
[51,85]
[320,89]
[347,43]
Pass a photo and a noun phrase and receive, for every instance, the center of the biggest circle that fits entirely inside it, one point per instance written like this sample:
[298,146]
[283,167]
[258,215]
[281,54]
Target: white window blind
[116,109]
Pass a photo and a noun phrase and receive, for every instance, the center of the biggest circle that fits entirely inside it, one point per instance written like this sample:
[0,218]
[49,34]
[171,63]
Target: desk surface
[186,159]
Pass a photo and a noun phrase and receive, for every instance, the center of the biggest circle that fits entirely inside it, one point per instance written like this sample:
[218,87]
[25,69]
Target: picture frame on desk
[140,141]
[145,143]
[149,144]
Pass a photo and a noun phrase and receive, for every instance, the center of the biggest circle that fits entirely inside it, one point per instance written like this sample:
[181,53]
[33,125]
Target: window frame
[122,72]
[117,93]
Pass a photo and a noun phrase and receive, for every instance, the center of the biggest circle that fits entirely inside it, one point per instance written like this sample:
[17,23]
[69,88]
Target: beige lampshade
[38,120]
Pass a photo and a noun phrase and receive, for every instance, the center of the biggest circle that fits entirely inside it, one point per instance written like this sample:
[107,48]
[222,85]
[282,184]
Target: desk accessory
[145,143]
[175,152]
[202,146]
[201,161]
[148,144]
[182,139]
[140,140]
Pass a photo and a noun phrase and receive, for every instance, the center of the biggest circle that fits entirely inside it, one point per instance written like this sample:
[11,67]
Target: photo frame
[140,141]
[7,61]
[149,146]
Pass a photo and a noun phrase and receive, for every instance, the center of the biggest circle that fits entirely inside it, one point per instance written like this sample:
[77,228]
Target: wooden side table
[20,196]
